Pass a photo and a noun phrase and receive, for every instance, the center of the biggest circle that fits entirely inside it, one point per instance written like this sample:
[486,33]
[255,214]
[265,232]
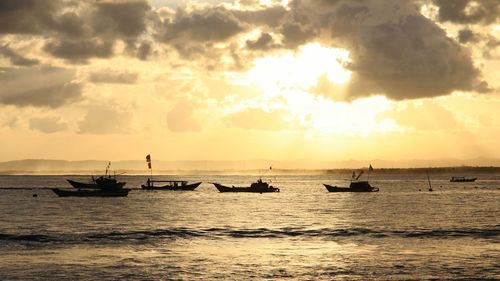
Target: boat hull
[77,184]
[332,188]
[223,188]
[91,192]
[464,180]
[186,187]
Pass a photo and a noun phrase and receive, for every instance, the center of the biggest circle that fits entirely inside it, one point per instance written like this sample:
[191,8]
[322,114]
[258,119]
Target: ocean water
[301,233]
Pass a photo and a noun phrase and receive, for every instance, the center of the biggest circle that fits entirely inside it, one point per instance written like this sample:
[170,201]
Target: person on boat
[149,182]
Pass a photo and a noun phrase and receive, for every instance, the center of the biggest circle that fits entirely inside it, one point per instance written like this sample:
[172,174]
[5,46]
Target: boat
[171,185]
[122,192]
[462,179]
[355,186]
[102,182]
[258,187]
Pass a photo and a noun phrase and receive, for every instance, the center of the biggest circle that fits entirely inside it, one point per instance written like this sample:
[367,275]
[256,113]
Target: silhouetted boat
[102,182]
[259,187]
[91,192]
[355,186]
[462,179]
[171,185]
[99,183]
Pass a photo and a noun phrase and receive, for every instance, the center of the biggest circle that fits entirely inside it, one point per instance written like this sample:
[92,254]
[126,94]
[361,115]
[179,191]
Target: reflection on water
[301,233]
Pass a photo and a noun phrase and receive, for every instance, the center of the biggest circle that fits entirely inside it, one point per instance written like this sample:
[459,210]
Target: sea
[402,232]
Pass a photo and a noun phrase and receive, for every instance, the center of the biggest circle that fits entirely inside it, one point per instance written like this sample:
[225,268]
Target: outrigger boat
[99,183]
[462,179]
[103,186]
[122,192]
[355,186]
[259,187]
[171,185]
[102,182]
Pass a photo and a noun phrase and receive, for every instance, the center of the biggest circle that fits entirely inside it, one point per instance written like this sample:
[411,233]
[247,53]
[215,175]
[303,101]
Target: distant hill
[46,166]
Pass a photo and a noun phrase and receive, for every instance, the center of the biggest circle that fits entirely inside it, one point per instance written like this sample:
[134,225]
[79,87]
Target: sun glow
[288,81]
[300,70]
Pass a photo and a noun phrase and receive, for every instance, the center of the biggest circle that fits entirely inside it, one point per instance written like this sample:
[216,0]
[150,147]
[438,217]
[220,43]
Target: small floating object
[35,195]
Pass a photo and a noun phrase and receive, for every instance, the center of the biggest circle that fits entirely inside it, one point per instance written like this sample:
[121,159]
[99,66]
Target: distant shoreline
[460,170]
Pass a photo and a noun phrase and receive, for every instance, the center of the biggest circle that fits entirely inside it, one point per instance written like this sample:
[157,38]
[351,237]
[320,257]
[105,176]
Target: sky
[320,80]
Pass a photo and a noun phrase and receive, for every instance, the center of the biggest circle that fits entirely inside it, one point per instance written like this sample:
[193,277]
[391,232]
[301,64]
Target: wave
[221,233]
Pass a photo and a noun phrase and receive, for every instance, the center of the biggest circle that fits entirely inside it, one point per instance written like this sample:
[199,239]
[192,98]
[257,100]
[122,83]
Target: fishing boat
[355,186]
[462,179]
[101,182]
[258,187]
[122,192]
[171,185]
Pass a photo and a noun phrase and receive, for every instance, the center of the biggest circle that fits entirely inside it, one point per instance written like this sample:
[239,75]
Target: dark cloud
[403,61]
[115,121]
[144,50]
[180,118]
[80,51]
[394,50]
[295,34]
[126,19]
[467,36]
[468,12]
[109,76]
[70,24]
[209,25]
[26,16]
[48,124]
[41,87]
[77,30]
[15,58]
[264,42]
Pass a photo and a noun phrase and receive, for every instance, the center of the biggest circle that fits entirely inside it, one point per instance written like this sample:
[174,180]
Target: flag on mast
[148,160]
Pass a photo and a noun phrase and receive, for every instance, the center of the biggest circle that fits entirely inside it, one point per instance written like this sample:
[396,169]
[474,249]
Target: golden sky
[241,79]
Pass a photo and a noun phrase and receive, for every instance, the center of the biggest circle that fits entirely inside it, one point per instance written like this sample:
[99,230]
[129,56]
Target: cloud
[468,12]
[108,76]
[181,118]
[264,42]
[16,58]
[26,16]
[104,119]
[80,51]
[258,119]
[268,16]
[423,116]
[125,19]
[144,51]
[40,87]
[394,50]
[467,36]
[295,34]
[208,25]
[48,124]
